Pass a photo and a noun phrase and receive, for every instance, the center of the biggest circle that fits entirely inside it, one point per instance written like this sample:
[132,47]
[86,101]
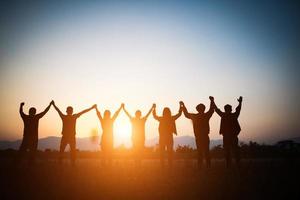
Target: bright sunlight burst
[122,131]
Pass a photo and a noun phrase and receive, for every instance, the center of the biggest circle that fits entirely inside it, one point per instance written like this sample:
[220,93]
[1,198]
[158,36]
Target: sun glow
[122,132]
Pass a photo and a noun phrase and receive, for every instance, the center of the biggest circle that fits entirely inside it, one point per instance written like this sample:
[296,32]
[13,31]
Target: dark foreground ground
[255,179]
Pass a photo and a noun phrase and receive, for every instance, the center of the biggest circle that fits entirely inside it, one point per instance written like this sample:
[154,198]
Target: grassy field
[255,179]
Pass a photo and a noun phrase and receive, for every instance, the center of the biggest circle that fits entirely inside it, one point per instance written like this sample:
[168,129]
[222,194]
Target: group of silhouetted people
[229,128]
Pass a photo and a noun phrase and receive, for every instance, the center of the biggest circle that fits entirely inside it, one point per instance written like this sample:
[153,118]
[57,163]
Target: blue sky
[140,52]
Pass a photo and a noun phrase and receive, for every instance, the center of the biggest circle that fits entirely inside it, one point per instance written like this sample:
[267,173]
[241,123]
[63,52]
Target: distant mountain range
[184,140]
[296,139]
[93,145]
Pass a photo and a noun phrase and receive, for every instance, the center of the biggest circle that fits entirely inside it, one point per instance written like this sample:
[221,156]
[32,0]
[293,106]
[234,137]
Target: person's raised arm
[98,114]
[239,107]
[149,112]
[218,111]
[57,109]
[211,110]
[185,112]
[117,112]
[40,115]
[86,110]
[154,113]
[127,113]
[21,110]
[179,113]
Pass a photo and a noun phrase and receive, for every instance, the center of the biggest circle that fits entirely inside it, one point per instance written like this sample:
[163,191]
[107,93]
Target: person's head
[32,111]
[106,114]
[69,110]
[200,108]
[138,114]
[227,108]
[166,112]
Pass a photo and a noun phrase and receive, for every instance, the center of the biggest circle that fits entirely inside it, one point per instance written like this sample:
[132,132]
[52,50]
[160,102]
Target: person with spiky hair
[230,129]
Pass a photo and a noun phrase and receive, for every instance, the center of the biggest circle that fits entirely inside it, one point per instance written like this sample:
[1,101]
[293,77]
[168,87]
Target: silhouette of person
[69,130]
[107,123]
[30,132]
[138,132]
[166,129]
[230,129]
[201,128]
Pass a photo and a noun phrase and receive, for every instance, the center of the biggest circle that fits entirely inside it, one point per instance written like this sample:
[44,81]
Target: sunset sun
[122,131]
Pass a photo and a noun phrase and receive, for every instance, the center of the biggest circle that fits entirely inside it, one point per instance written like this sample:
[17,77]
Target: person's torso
[138,128]
[31,126]
[230,124]
[69,125]
[107,126]
[200,124]
[167,126]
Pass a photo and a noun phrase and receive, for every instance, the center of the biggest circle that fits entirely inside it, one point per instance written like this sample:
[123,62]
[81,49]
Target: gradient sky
[139,52]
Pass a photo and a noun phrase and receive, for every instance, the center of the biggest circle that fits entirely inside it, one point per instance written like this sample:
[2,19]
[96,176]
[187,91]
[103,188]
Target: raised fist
[240,99]
[22,104]
[211,98]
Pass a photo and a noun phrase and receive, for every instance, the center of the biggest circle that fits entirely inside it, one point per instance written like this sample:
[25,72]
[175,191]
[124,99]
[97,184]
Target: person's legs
[199,150]
[103,151]
[206,151]
[170,152]
[137,153]
[21,152]
[104,158]
[110,152]
[170,155]
[105,154]
[161,152]
[72,143]
[32,151]
[228,156]
[63,144]
[23,146]
[109,156]
[227,149]
[236,150]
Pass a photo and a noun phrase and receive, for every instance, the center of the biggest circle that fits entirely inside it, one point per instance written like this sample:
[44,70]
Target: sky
[79,53]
